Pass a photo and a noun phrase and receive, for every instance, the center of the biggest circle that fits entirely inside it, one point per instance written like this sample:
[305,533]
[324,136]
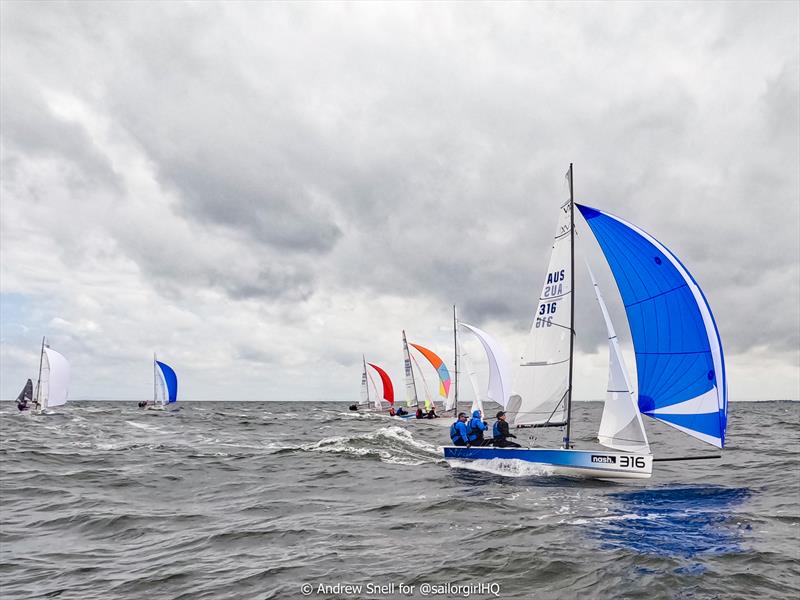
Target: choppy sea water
[253,500]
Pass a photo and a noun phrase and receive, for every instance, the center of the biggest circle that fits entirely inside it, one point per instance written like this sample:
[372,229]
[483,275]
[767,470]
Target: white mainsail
[411,388]
[499,371]
[53,387]
[621,425]
[542,384]
[364,386]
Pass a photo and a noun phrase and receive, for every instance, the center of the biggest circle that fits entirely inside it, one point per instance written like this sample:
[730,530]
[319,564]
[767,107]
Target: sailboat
[165,386]
[680,367]
[368,403]
[52,384]
[25,398]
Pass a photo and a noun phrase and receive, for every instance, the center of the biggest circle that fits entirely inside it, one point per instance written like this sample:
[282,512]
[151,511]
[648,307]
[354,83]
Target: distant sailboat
[680,366]
[165,386]
[52,385]
[25,397]
[368,402]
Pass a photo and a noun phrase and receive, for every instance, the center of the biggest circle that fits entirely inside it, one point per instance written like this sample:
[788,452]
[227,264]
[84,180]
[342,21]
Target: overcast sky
[262,192]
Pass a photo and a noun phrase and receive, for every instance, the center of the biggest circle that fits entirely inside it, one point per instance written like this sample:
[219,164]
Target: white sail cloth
[499,388]
[54,388]
[542,384]
[621,425]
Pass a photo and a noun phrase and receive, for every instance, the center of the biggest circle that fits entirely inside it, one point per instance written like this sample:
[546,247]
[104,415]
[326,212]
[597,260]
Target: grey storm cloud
[296,154]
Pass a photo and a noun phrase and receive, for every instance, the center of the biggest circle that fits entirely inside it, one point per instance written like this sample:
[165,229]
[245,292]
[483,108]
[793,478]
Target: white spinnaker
[428,401]
[542,384]
[411,388]
[376,397]
[621,425]
[499,367]
[468,368]
[56,385]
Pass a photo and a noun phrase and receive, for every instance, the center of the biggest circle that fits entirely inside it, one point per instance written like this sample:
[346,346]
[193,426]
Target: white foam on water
[507,467]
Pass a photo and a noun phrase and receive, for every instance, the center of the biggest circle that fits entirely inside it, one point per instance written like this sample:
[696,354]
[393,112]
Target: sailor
[458,431]
[500,433]
[22,403]
[476,427]
[431,414]
[420,414]
[401,411]
[391,411]
[143,403]
[354,407]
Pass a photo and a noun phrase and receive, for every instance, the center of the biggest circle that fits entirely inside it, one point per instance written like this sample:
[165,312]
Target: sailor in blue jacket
[476,427]
[458,431]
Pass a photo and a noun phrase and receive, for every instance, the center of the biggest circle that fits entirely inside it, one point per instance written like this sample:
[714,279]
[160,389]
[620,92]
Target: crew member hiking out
[500,433]
[458,431]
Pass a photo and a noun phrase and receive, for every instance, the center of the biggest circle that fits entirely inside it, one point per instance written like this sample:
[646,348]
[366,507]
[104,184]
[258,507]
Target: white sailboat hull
[593,464]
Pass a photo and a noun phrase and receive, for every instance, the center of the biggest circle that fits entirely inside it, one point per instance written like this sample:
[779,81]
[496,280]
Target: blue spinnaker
[679,360]
[171,381]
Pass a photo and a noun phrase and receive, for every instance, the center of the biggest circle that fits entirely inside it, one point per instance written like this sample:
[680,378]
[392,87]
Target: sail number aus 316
[632,462]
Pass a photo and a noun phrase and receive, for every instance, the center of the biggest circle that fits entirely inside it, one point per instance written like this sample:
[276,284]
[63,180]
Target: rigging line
[657,295]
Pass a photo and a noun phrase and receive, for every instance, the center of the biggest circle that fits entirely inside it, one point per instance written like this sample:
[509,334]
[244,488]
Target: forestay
[542,383]
[679,360]
[621,424]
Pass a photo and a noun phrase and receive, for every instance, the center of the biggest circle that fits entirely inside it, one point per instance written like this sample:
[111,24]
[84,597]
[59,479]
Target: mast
[366,383]
[455,364]
[571,301]
[39,379]
[155,375]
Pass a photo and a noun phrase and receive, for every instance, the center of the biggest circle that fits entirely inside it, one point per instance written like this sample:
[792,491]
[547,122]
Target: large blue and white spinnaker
[679,360]
[165,386]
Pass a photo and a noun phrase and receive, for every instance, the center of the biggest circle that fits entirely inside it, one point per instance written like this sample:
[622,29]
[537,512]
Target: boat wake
[505,467]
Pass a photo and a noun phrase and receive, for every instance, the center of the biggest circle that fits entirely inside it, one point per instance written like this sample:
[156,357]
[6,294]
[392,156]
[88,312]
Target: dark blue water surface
[253,500]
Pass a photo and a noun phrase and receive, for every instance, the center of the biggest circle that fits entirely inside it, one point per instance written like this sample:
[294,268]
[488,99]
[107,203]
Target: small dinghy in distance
[25,398]
[680,366]
[52,384]
[372,403]
[165,387]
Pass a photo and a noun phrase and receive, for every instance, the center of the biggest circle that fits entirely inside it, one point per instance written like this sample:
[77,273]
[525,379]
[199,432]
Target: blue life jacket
[458,432]
[454,435]
[496,430]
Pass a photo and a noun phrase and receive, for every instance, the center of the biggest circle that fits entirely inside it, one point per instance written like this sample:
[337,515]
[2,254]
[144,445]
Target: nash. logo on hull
[604,459]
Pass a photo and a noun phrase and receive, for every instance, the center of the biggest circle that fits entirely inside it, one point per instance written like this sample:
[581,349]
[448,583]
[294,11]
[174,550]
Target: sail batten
[679,359]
